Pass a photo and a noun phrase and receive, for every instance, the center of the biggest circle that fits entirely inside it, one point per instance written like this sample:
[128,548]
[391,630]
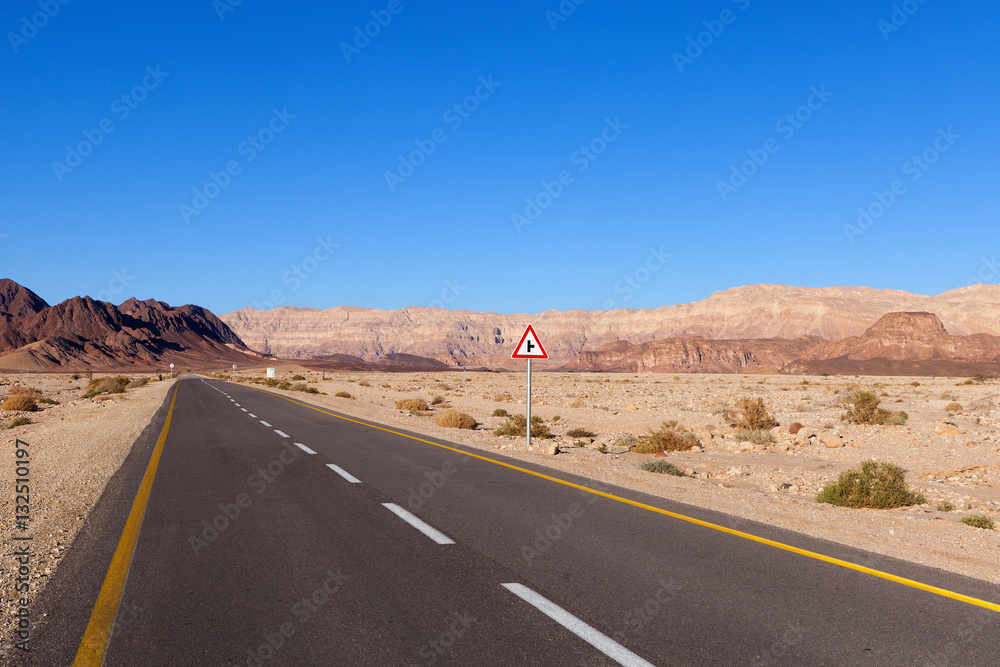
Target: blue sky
[604,154]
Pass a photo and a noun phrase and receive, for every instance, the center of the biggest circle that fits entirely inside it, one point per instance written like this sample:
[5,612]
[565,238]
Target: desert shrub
[411,404]
[878,485]
[979,521]
[602,448]
[946,396]
[953,407]
[19,421]
[945,506]
[299,386]
[517,425]
[364,383]
[74,376]
[756,436]
[671,437]
[626,441]
[343,394]
[110,385]
[500,412]
[662,467]
[863,409]
[298,376]
[503,398]
[269,382]
[580,433]
[455,419]
[751,414]
[437,400]
[48,401]
[556,419]
[535,419]
[22,399]
[284,385]
[895,418]
[914,384]
[136,383]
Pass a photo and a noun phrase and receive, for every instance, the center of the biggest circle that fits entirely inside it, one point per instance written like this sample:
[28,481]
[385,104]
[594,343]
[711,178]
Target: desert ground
[951,453]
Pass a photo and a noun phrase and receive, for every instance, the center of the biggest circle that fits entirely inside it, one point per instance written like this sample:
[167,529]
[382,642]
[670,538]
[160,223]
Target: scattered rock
[745,447]
[629,408]
[660,455]
[552,450]
[833,441]
[795,428]
[696,449]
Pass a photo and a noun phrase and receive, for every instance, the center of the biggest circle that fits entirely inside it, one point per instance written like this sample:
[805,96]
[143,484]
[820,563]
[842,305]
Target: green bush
[863,409]
[945,506]
[878,485]
[517,425]
[671,437]
[19,421]
[500,412]
[979,521]
[580,433]
[662,467]
[298,376]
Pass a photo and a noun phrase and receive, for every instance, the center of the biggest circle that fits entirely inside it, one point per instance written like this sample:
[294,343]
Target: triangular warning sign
[529,347]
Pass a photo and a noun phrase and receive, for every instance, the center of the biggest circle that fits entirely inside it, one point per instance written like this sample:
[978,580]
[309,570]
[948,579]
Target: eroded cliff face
[471,338]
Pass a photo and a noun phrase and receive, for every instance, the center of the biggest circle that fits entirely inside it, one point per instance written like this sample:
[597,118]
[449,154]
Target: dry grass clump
[437,400]
[364,383]
[751,415]
[953,407]
[517,425]
[757,436]
[302,386]
[19,421]
[503,398]
[500,412]
[111,385]
[580,433]
[671,437]
[343,394]
[877,485]
[662,467]
[417,404]
[22,399]
[863,409]
[979,521]
[456,419]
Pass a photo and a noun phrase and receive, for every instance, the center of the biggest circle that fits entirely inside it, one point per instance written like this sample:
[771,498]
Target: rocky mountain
[82,333]
[742,314]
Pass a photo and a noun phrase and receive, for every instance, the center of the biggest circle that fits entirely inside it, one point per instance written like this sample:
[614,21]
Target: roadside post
[171,371]
[234,372]
[529,348]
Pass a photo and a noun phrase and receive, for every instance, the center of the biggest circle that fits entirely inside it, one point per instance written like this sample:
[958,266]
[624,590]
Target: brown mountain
[82,333]
[462,337]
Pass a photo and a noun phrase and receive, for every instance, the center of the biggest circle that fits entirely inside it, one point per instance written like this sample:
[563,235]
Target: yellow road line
[762,540]
[102,619]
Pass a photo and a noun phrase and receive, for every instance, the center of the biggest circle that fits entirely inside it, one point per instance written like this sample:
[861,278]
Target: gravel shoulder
[75,448]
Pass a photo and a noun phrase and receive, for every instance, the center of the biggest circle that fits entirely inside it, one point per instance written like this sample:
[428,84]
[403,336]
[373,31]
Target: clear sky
[511,157]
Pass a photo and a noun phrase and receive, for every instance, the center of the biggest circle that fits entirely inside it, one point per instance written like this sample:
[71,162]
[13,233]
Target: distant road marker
[424,528]
[337,469]
[265,423]
[304,448]
[253,416]
[595,638]
[281,433]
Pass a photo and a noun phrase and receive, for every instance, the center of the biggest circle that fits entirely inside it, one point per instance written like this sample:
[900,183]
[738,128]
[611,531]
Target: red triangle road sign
[529,347]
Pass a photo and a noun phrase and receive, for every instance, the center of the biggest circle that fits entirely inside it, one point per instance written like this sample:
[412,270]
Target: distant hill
[81,333]
[739,315]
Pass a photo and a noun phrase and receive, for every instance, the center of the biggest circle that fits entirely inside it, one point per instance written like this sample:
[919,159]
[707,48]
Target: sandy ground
[957,462]
[75,447]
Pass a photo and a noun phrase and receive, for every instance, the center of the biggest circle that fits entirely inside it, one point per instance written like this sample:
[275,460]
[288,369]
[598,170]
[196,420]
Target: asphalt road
[254,551]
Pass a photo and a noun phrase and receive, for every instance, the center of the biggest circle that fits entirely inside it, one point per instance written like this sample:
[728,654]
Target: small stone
[552,450]
[745,447]
[795,428]
[660,455]
[710,428]
[696,449]
[629,408]
[833,442]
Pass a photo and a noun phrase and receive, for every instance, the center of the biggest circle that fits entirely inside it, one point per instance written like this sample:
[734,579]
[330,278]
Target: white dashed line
[281,433]
[243,409]
[598,640]
[304,448]
[343,473]
[253,416]
[424,528]
[265,423]
[236,404]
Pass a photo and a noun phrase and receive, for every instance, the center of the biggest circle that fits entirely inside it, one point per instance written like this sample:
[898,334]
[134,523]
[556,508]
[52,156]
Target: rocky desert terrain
[950,445]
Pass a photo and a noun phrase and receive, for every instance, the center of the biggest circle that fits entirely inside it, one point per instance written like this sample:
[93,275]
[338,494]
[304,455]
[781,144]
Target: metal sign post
[171,371]
[529,348]
[234,372]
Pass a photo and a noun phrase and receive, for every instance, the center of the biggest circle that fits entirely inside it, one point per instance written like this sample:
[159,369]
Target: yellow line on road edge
[777,545]
[102,619]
